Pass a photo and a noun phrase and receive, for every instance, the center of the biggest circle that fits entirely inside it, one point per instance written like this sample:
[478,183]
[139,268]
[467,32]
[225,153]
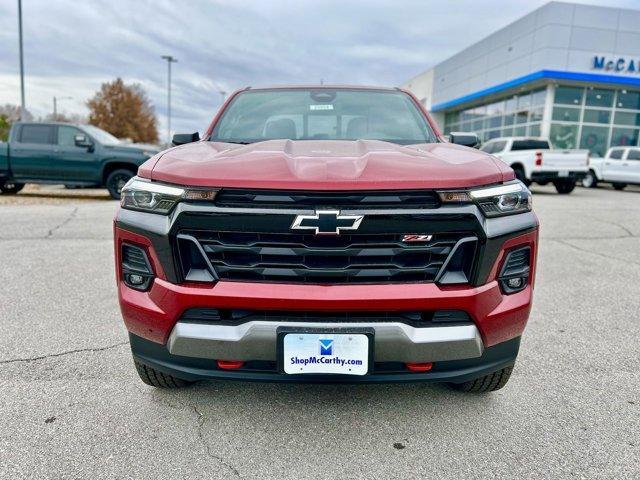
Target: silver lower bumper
[394,342]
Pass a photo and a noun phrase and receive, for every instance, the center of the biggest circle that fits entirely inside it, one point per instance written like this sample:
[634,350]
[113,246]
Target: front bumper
[192,368]
[542,177]
[256,340]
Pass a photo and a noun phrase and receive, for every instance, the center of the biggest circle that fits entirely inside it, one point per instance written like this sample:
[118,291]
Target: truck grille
[301,258]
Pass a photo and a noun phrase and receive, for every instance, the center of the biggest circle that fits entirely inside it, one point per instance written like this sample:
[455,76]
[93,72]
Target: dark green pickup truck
[73,155]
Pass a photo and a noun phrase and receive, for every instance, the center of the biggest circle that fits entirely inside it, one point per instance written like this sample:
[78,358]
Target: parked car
[620,167]
[73,155]
[325,234]
[534,161]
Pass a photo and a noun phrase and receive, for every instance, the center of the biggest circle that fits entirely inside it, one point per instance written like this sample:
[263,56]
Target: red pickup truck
[325,234]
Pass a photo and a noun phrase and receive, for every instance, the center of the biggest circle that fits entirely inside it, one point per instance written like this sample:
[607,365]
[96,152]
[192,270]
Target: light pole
[169,60]
[223,93]
[22,107]
[55,106]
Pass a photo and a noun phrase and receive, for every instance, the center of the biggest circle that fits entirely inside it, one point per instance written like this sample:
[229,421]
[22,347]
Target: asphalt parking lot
[73,407]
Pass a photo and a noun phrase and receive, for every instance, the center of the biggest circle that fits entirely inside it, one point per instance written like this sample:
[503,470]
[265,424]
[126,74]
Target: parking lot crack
[201,421]
[628,232]
[62,224]
[61,354]
[620,237]
[586,250]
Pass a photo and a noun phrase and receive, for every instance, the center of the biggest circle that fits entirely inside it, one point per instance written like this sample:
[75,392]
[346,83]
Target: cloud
[73,47]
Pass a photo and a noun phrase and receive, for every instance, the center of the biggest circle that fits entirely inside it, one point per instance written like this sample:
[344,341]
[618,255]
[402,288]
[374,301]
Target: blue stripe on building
[542,74]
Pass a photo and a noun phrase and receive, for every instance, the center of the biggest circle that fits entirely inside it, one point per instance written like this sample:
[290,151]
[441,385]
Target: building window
[536,115]
[594,139]
[628,99]
[624,137]
[581,117]
[519,131]
[498,118]
[564,136]
[597,116]
[534,130]
[569,95]
[627,118]
[566,114]
[599,97]
[605,118]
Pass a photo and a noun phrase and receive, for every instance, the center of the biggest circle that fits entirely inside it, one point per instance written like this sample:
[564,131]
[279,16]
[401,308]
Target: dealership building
[567,72]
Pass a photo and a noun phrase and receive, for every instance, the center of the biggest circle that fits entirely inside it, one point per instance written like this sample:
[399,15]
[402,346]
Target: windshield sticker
[320,107]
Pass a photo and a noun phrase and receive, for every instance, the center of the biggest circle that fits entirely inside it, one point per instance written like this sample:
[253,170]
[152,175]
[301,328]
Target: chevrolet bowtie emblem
[327,222]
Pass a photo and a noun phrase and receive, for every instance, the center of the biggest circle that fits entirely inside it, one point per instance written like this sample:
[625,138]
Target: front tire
[11,188]
[619,186]
[565,186]
[117,180]
[489,383]
[155,378]
[590,180]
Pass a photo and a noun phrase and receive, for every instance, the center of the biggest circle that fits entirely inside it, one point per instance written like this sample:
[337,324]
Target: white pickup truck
[620,167]
[534,161]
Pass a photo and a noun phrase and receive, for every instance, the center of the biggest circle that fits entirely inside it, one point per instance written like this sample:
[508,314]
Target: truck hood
[326,165]
[129,149]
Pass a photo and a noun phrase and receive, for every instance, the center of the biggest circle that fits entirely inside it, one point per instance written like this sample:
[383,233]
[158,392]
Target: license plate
[563,173]
[326,352]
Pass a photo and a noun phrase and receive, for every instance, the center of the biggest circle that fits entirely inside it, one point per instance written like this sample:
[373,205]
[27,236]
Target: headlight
[147,196]
[154,197]
[507,199]
[503,200]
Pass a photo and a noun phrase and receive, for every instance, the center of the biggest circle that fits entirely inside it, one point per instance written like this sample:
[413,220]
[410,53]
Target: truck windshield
[323,114]
[101,136]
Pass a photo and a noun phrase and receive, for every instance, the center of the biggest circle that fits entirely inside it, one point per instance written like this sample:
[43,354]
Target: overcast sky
[71,47]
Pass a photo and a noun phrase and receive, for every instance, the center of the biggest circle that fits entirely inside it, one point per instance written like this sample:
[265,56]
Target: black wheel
[619,186]
[489,383]
[564,186]
[116,180]
[153,377]
[11,188]
[590,180]
[521,176]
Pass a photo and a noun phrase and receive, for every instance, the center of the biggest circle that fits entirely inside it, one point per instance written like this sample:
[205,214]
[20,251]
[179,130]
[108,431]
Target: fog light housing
[136,268]
[514,275]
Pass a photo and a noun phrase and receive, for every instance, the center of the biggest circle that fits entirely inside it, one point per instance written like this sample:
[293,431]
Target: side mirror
[81,140]
[182,138]
[466,139]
